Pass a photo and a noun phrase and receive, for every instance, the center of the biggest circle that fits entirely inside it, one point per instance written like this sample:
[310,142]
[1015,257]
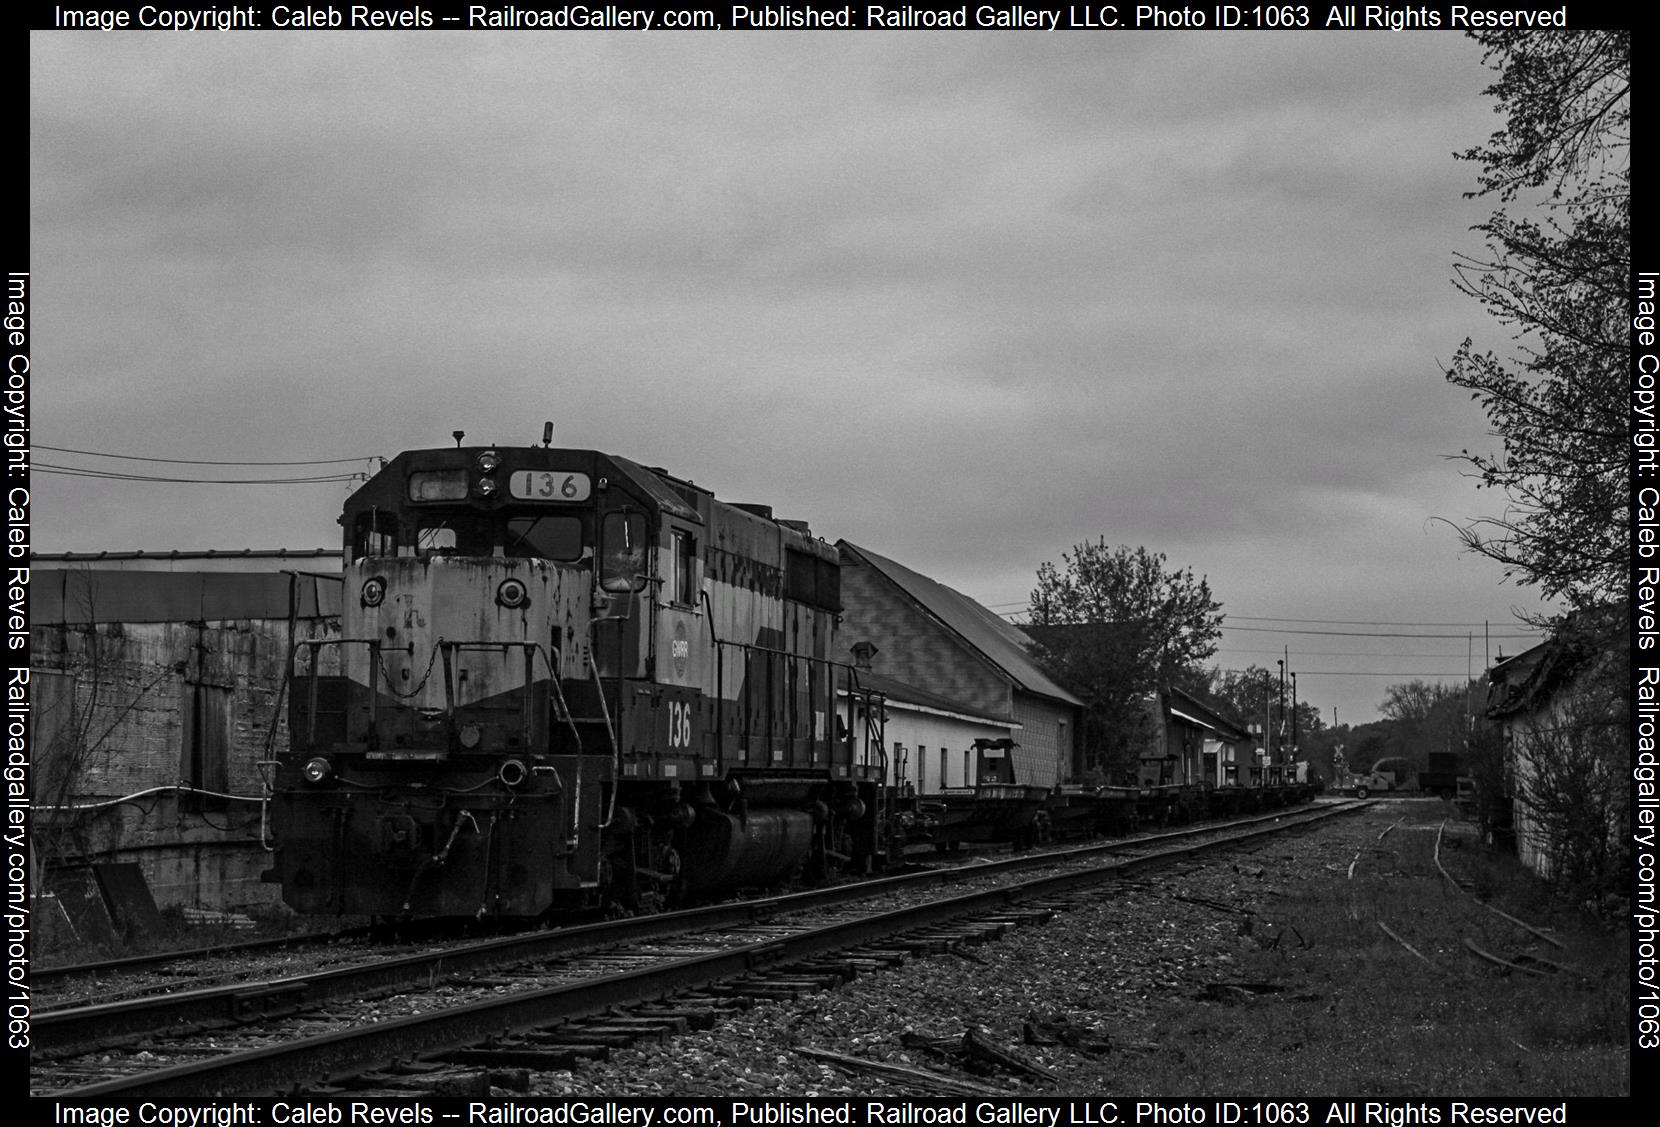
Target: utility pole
[1267,734]
[1294,727]
[1282,716]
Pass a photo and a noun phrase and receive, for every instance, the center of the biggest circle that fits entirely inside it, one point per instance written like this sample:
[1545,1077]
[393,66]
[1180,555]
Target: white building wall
[932,749]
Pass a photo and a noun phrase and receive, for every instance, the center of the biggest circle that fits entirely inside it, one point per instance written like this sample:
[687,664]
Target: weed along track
[1465,928]
[1258,974]
[502,1013]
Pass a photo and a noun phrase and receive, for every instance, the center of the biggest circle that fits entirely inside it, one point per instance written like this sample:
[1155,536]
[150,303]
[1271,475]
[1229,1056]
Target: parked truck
[1442,777]
[1386,776]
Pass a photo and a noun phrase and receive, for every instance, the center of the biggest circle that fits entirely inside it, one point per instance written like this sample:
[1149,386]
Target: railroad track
[543,1000]
[228,964]
[59,1030]
[58,986]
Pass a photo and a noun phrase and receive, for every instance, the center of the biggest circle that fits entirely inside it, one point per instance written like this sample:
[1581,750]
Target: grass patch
[1344,1009]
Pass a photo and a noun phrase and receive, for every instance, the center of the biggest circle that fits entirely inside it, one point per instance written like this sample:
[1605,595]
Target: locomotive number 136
[548,485]
[680,724]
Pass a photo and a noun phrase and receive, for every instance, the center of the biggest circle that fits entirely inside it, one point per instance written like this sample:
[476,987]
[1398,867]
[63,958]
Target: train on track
[566,681]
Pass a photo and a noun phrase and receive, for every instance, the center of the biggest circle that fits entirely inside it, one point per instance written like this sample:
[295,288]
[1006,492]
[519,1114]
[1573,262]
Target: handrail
[611,733]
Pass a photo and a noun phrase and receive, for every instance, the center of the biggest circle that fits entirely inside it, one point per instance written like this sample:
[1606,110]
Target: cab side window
[623,548]
[685,569]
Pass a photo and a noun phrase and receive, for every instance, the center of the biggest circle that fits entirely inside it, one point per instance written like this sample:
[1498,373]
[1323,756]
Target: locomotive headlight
[488,461]
[512,594]
[374,591]
[317,770]
[486,486]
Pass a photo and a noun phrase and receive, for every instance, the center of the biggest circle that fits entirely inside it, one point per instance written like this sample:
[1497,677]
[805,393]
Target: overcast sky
[965,299]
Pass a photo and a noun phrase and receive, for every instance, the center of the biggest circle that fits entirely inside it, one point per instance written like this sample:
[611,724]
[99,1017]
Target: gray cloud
[966,299]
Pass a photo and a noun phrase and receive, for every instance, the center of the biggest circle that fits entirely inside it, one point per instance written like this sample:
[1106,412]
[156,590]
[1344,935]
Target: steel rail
[318,1061]
[81,1028]
[51,976]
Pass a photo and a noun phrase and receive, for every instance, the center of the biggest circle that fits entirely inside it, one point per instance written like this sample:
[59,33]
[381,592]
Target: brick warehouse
[158,695]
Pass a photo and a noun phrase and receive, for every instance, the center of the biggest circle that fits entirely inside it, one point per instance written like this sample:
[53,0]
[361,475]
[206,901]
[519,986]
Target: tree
[1424,717]
[1560,283]
[1573,786]
[1414,702]
[1111,625]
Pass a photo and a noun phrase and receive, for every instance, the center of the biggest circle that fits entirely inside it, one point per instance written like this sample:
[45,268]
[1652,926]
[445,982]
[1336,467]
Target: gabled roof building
[927,635]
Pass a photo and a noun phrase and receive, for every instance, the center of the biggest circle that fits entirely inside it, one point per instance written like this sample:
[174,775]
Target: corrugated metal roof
[999,641]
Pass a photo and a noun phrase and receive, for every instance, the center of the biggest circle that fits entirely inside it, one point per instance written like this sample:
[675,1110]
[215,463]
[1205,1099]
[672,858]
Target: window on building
[968,767]
[204,759]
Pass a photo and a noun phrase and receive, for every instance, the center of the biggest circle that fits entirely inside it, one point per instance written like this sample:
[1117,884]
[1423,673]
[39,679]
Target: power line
[1348,621]
[1375,633]
[1368,673]
[197,462]
[1367,633]
[103,475]
[1229,617]
[1331,653]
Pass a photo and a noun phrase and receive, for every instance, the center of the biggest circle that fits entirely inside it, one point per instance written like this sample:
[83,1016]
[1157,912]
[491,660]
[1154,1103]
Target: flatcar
[566,681]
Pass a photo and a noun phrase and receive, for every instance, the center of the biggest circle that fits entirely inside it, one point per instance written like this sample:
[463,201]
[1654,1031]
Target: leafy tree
[1111,625]
[1424,716]
[1559,279]
[1577,796]
[1414,702]
[1560,282]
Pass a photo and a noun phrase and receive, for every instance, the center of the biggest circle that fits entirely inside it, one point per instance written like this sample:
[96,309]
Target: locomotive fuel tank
[752,850]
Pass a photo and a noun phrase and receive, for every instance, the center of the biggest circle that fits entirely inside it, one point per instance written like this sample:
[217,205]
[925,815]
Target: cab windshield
[544,537]
[565,537]
[454,536]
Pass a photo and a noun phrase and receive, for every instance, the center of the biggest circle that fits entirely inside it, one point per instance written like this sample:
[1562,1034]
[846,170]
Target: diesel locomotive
[567,681]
